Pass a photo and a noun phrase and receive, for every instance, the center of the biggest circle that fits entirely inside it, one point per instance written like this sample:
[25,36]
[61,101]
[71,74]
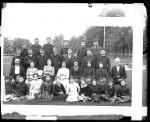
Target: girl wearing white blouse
[30,72]
[49,69]
[73,90]
[63,73]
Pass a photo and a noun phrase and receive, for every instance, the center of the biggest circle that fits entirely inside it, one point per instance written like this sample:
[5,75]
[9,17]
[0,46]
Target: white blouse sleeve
[67,73]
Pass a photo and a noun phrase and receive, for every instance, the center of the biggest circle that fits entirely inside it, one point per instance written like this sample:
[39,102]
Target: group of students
[43,74]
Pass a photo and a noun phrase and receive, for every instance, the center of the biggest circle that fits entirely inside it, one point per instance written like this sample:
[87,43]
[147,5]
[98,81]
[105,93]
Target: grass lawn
[6,66]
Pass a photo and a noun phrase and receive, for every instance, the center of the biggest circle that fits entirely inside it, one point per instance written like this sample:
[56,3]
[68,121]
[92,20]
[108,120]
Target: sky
[39,20]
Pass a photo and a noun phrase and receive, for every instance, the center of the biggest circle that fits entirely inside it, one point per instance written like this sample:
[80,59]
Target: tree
[18,42]
[57,41]
[8,46]
[94,32]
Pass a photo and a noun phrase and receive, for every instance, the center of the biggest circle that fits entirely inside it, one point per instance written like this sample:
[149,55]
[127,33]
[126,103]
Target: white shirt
[63,73]
[118,67]
[17,69]
[36,84]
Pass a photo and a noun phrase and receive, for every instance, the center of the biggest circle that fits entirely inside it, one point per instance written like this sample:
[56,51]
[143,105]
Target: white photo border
[136,111]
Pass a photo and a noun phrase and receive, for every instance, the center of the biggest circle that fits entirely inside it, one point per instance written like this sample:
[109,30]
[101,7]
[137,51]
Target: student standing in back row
[64,50]
[36,47]
[48,47]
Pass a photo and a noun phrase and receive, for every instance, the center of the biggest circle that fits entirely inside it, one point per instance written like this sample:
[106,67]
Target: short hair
[36,39]
[95,40]
[48,38]
[71,77]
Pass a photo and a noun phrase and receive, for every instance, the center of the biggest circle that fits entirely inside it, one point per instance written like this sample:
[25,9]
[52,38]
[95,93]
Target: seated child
[35,86]
[102,76]
[89,72]
[46,90]
[21,90]
[63,73]
[59,92]
[124,93]
[85,91]
[96,91]
[73,90]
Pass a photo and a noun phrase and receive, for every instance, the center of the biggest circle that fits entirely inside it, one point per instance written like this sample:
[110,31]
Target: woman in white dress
[63,73]
[30,72]
[73,90]
[49,69]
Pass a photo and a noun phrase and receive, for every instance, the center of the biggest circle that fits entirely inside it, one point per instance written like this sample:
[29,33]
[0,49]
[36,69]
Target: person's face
[102,52]
[35,77]
[95,43]
[117,63]
[69,51]
[94,83]
[89,64]
[123,83]
[32,65]
[49,62]
[110,83]
[101,65]
[24,46]
[21,79]
[48,40]
[18,52]
[36,41]
[42,51]
[89,52]
[48,78]
[17,61]
[54,49]
[6,80]
[75,63]
[82,82]
[82,44]
[65,43]
[30,52]
[63,64]
[71,80]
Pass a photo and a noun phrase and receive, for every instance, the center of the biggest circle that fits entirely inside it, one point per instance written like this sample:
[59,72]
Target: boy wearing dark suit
[24,51]
[89,72]
[36,47]
[17,69]
[41,60]
[69,59]
[118,74]
[81,53]
[64,50]
[88,58]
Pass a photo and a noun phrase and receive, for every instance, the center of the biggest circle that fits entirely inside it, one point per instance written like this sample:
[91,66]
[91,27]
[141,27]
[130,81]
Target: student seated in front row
[59,92]
[73,90]
[96,91]
[35,86]
[45,93]
[20,92]
[85,91]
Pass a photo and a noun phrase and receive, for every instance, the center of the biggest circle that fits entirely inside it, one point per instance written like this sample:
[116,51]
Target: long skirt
[72,97]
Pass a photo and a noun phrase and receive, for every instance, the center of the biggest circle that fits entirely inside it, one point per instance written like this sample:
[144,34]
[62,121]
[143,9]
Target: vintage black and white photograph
[58,55]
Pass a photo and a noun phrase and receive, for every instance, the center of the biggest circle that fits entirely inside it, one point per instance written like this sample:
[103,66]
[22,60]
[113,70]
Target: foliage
[18,42]
[8,46]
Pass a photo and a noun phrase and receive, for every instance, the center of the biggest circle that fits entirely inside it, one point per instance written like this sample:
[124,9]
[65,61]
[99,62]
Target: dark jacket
[36,49]
[64,51]
[109,92]
[24,52]
[122,74]
[56,61]
[57,89]
[95,89]
[86,90]
[9,88]
[69,62]
[28,59]
[124,91]
[87,59]
[46,87]
[96,51]
[106,62]
[76,74]
[89,72]
[17,57]
[12,74]
[101,73]
[81,53]
[21,89]
[48,48]
[41,61]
